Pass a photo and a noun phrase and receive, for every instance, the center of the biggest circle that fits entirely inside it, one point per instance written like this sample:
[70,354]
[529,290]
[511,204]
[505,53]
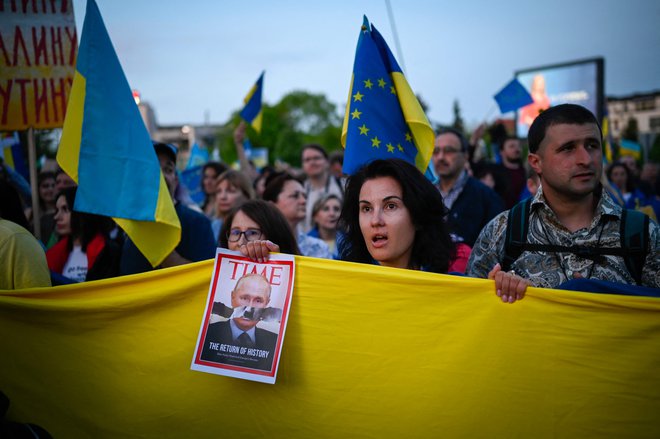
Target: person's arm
[174,259]
[239,139]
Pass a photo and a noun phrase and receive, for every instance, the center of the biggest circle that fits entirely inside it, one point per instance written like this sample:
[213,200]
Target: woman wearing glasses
[257,228]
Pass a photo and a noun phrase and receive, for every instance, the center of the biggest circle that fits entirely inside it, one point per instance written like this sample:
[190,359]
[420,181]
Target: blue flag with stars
[383,117]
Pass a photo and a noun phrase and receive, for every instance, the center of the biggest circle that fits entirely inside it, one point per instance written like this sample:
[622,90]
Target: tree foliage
[631,132]
[298,118]
[458,123]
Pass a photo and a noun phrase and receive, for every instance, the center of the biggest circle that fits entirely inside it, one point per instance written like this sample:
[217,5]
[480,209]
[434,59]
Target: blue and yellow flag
[11,153]
[383,117]
[355,362]
[253,111]
[106,148]
[608,155]
[633,149]
[513,96]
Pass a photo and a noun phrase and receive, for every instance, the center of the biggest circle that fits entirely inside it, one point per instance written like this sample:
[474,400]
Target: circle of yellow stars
[364,130]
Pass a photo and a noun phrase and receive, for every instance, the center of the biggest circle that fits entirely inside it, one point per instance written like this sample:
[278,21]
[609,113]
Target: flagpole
[490,113]
[36,209]
[395,35]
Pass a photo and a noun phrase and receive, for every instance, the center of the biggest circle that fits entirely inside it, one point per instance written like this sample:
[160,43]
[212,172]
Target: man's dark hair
[449,130]
[432,248]
[337,157]
[315,147]
[570,114]
[11,207]
[270,220]
[218,167]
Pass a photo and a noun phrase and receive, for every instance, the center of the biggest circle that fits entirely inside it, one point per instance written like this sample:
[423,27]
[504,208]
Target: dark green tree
[299,118]
[654,153]
[631,132]
[458,123]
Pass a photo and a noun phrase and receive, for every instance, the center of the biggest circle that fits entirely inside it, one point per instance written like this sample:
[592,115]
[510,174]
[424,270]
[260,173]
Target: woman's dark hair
[629,179]
[433,248]
[11,208]
[219,168]
[316,147]
[275,184]
[84,225]
[502,183]
[270,220]
[43,176]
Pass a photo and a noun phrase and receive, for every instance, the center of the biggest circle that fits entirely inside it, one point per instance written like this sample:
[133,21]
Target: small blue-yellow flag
[106,148]
[253,111]
[383,117]
[633,149]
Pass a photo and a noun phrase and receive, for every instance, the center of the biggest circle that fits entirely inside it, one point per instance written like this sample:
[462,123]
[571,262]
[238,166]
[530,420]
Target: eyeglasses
[234,235]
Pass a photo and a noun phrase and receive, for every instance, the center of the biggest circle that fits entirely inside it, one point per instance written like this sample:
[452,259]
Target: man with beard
[513,169]
[471,204]
[573,229]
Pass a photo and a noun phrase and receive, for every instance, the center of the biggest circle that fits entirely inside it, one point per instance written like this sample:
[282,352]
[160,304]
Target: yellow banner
[38,46]
[369,352]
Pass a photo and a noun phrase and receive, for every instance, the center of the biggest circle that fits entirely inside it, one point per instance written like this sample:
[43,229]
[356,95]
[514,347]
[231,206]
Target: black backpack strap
[516,233]
[635,241]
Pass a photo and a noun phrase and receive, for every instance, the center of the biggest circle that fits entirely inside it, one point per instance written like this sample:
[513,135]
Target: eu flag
[513,96]
[253,111]
[106,148]
[383,117]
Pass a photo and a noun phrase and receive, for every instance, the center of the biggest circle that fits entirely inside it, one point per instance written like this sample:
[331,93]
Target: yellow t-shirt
[23,259]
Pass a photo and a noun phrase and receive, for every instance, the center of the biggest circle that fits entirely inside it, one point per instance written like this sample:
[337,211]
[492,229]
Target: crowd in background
[294,210]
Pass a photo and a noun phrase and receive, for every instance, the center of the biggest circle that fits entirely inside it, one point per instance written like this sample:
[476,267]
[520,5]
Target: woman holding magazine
[256,228]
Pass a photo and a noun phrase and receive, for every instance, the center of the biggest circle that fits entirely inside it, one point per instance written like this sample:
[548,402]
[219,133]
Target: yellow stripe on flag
[370,352]
[69,150]
[416,119]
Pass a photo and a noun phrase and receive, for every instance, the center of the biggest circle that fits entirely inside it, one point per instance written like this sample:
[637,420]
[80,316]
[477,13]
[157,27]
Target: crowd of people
[548,223]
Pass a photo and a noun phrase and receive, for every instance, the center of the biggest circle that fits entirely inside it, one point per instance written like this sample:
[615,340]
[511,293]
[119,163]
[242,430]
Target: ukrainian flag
[106,148]
[608,157]
[633,149]
[383,117]
[253,111]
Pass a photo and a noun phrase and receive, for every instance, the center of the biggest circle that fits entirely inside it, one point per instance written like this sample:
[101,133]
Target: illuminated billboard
[577,82]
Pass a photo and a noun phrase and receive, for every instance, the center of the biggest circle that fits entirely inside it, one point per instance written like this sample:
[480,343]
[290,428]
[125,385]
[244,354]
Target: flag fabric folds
[106,148]
[383,116]
[513,96]
[253,111]
[198,156]
[369,352]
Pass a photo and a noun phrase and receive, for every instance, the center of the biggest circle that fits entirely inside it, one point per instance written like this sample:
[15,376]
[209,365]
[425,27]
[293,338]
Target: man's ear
[535,161]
